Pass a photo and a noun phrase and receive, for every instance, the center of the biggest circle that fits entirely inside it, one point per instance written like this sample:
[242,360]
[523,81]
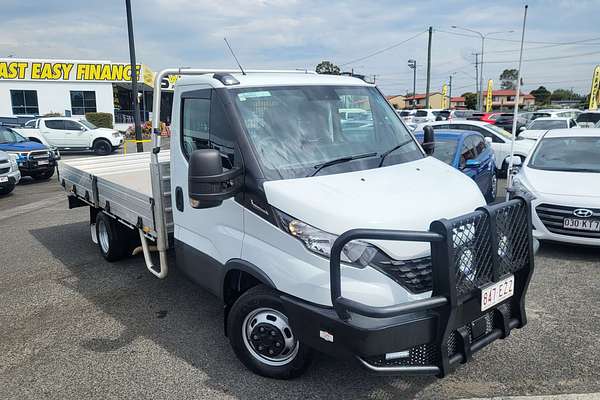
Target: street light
[413,65]
[483,36]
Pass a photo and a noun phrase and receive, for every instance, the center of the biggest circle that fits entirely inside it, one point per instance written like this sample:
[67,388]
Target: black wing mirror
[208,184]
[428,140]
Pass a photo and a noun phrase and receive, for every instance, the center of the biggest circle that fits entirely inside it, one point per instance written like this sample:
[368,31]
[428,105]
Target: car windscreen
[421,113]
[444,149]
[404,113]
[573,154]
[443,113]
[546,124]
[296,129]
[588,117]
[7,135]
[87,124]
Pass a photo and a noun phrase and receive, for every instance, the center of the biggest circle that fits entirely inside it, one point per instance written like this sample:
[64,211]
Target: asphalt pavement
[73,326]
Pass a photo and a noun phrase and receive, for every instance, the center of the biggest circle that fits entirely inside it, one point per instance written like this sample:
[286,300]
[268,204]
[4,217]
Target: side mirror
[472,164]
[208,184]
[516,161]
[521,129]
[428,140]
[488,140]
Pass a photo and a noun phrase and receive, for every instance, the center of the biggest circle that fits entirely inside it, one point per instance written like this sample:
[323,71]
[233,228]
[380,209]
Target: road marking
[36,205]
[585,396]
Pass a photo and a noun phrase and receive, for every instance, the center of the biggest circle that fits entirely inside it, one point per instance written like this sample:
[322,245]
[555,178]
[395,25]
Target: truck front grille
[39,155]
[552,216]
[4,168]
[414,275]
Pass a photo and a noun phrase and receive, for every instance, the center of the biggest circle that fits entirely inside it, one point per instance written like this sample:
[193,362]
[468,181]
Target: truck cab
[315,234]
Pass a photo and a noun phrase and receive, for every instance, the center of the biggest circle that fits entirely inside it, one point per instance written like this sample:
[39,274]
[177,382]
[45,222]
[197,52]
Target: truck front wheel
[262,338]
[47,174]
[102,147]
[113,240]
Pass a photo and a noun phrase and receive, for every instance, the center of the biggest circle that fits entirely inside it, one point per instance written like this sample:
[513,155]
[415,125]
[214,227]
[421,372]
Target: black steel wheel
[262,337]
[102,147]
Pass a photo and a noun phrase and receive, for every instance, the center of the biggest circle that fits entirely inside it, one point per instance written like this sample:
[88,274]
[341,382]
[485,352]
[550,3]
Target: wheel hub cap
[268,337]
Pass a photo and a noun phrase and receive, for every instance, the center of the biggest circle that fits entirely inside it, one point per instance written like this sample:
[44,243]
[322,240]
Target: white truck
[72,134]
[351,242]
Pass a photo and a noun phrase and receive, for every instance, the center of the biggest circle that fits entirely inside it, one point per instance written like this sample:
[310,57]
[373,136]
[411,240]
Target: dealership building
[34,87]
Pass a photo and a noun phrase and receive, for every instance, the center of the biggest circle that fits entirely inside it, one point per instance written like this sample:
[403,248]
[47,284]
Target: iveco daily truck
[318,233]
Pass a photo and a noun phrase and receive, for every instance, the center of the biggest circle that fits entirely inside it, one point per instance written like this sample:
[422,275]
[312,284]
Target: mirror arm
[225,176]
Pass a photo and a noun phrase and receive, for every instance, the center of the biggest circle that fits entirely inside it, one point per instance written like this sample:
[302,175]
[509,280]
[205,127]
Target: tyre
[7,189]
[44,175]
[102,147]
[493,191]
[262,338]
[113,238]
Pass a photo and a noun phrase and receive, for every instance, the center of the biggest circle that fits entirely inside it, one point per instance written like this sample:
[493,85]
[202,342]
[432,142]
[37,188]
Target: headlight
[13,161]
[116,134]
[357,252]
[519,189]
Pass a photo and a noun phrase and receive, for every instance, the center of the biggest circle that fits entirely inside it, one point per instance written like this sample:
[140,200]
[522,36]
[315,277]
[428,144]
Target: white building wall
[55,96]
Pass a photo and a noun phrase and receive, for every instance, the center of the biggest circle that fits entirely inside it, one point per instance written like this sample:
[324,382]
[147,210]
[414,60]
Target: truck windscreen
[296,129]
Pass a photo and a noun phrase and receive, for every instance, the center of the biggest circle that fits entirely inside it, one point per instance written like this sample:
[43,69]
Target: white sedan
[501,139]
[561,178]
[538,127]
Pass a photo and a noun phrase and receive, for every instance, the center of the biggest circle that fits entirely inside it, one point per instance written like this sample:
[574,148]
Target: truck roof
[262,79]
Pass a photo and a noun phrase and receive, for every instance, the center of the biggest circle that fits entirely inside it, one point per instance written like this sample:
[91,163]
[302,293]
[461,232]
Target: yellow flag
[595,92]
[488,98]
[444,98]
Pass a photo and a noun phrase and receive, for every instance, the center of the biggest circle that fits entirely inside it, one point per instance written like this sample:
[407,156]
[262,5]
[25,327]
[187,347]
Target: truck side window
[72,125]
[221,135]
[195,125]
[55,124]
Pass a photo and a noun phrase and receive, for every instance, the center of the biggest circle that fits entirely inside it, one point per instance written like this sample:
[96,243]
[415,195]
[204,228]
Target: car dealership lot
[74,326]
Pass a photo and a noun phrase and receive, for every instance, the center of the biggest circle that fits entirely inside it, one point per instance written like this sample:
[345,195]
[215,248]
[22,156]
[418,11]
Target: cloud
[299,34]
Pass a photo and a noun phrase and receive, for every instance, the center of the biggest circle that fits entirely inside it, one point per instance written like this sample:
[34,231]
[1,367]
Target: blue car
[33,159]
[468,152]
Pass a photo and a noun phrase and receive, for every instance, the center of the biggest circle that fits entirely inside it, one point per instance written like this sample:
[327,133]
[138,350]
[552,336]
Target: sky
[300,34]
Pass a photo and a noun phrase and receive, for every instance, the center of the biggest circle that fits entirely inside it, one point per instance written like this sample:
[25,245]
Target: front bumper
[29,167]
[13,179]
[432,335]
[548,215]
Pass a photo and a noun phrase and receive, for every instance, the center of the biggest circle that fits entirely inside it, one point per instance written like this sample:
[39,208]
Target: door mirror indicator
[473,163]
[208,184]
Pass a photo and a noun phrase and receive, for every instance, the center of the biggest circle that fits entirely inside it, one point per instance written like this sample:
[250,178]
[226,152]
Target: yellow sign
[488,98]
[595,92]
[445,102]
[52,70]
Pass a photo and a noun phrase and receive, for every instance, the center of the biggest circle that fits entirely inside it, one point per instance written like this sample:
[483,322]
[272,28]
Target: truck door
[53,131]
[76,135]
[205,239]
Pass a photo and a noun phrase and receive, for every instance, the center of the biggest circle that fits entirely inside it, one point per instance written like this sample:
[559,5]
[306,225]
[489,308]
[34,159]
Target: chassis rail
[468,253]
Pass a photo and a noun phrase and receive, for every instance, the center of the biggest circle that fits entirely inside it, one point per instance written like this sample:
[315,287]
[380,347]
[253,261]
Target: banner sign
[444,96]
[53,70]
[595,91]
[488,98]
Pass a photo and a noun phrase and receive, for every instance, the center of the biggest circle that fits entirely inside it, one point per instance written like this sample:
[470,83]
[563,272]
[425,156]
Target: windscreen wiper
[340,160]
[387,153]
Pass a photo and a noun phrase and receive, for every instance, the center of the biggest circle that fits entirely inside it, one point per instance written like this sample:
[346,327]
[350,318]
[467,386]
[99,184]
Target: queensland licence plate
[497,292]
[43,162]
[582,224]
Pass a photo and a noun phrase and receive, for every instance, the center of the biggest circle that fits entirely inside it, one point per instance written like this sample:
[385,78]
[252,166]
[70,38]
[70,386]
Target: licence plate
[3,179]
[582,224]
[43,162]
[497,292]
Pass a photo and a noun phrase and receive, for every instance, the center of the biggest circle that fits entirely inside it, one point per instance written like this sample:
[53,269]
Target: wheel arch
[239,276]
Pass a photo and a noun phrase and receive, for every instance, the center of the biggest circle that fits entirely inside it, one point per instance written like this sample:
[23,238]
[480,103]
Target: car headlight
[13,161]
[116,134]
[519,189]
[356,252]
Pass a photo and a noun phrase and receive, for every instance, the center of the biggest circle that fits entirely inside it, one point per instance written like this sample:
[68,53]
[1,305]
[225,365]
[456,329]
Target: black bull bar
[468,253]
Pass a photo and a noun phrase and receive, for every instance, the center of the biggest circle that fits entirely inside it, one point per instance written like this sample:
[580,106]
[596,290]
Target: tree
[542,95]
[470,100]
[564,94]
[508,79]
[327,67]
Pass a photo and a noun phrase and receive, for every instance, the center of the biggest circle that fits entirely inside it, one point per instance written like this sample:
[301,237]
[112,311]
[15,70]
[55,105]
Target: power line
[545,58]
[518,41]
[549,46]
[383,50]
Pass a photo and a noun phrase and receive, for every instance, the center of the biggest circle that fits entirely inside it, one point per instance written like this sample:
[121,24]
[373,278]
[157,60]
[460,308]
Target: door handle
[179,198]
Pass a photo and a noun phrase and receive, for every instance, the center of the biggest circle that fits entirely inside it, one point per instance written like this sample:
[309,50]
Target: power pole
[476,77]
[450,93]
[428,67]
[134,86]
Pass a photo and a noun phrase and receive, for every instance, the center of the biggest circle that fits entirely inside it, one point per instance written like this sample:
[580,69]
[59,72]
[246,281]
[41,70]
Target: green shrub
[100,119]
